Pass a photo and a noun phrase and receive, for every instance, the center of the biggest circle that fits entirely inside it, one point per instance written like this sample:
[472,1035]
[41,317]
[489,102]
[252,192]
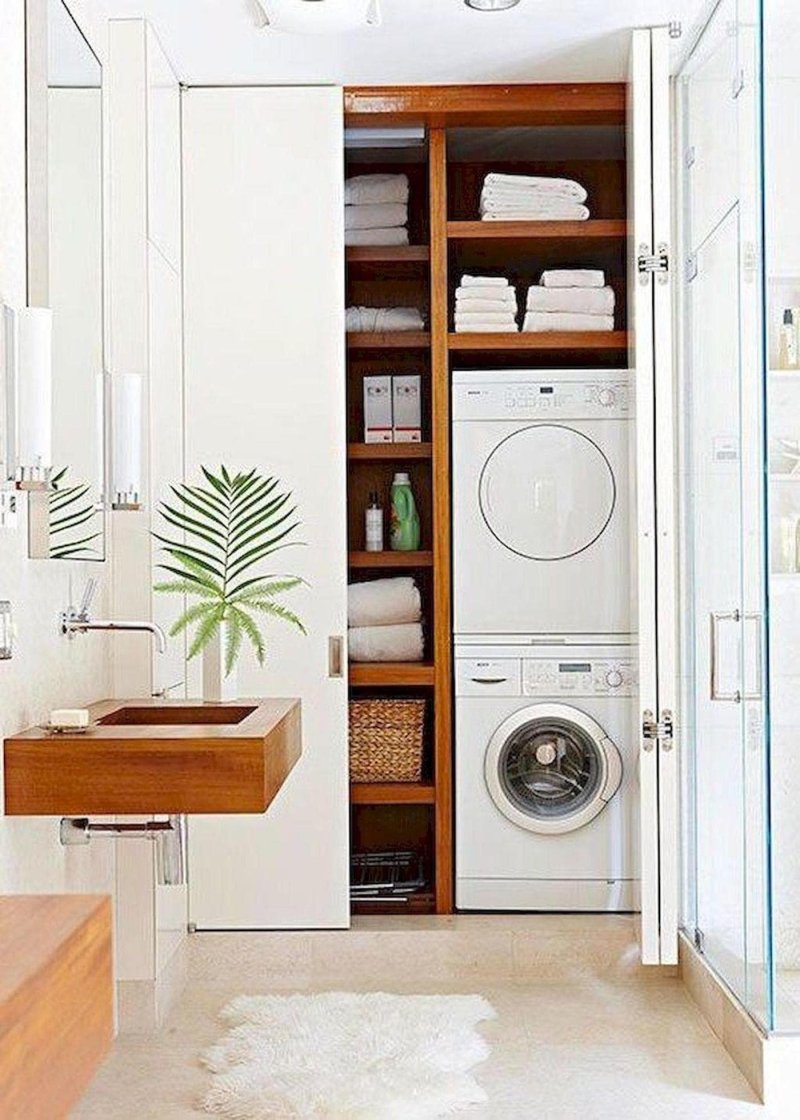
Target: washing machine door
[547,492]
[550,768]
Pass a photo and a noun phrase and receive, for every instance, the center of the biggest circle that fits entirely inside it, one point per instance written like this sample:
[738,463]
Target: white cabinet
[264,384]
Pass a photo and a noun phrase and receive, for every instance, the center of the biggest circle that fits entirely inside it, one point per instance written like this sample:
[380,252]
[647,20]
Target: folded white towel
[383,602]
[468,281]
[383,319]
[587,301]
[376,215]
[394,235]
[471,306]
[486,326]
[573,278]
[386,643]
[496,295]
[566,321]
[564,212]
[484,316]
[547,183]
[376,188]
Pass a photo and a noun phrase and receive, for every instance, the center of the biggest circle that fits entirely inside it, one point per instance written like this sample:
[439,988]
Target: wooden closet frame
[440,108]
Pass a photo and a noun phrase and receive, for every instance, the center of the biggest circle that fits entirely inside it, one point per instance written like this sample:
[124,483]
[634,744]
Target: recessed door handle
[335,656]
[488,680]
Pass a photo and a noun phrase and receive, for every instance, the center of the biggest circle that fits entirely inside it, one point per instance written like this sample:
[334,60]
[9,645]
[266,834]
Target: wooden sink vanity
[156,756]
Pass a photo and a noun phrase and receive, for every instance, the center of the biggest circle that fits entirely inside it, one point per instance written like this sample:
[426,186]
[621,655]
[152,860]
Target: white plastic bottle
[374,524]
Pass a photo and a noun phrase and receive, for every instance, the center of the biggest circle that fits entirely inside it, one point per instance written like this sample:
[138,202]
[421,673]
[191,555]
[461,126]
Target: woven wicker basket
[386,738]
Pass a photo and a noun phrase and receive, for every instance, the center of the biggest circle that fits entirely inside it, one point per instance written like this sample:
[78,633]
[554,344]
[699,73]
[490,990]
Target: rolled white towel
[376,215]
[549,183]
[386,643]
[394,235]
[496,295]
[566,321]
[383,602]
[374,319]
[545,212]
[468,281]
[472,306]
[586,301]
[573,278]
[360,189]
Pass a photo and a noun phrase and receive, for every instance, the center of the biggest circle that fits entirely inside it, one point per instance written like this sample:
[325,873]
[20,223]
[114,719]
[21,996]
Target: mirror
[65,268]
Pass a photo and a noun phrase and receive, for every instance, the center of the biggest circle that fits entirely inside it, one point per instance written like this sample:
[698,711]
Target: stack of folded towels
[384,618]
[532,198]
[485,303]
[570,300]
[376,210]
[383,319]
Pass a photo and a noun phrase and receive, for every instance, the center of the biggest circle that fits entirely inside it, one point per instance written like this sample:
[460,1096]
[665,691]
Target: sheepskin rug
[344,1056]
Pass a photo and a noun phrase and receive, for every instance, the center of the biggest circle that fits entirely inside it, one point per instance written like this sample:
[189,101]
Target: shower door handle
[715,618]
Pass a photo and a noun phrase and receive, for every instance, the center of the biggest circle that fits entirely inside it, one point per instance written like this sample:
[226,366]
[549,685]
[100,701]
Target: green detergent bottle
[405,519]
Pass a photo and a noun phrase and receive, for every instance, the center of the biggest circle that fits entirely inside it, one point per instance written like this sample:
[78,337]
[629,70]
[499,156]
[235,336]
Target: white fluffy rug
[343,1056]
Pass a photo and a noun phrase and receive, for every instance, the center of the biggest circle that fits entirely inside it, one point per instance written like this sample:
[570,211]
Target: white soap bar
[69,717]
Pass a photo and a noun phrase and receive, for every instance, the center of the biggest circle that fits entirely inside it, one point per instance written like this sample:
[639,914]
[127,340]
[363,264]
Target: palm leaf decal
[215,535]
[73,520]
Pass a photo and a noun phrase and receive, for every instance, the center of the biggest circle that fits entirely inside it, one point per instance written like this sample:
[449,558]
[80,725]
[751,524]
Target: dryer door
[551,768]
[547,492]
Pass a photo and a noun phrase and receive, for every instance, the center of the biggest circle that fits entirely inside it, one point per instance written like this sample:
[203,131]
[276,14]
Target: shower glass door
[722,503]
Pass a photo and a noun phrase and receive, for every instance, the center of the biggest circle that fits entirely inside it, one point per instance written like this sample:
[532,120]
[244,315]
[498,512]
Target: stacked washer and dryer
[545,674]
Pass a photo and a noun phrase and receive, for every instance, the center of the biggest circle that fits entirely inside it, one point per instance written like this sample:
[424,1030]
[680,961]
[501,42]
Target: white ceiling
[420,41]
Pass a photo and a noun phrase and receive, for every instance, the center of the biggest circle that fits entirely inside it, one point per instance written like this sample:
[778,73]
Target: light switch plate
[8,509]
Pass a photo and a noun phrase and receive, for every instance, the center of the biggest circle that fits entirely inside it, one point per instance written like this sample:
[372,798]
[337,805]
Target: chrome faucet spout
[77,625]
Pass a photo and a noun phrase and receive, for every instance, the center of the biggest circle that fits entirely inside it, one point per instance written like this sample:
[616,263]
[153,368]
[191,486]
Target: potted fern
[226,531]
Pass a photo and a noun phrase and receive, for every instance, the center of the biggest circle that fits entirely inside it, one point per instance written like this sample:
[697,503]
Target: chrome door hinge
[699,941]
[675,28]
[659,731]
[690,156]
[738,84]
[692,267]
[657,263]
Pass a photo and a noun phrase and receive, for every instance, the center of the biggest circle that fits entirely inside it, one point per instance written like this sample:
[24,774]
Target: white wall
[46,670]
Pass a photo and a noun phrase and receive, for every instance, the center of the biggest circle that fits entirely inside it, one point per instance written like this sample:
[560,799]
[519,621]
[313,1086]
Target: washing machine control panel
[532,400]
[576,677]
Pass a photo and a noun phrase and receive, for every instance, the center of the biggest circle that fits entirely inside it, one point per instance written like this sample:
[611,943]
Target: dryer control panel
[578,677]
[527,399]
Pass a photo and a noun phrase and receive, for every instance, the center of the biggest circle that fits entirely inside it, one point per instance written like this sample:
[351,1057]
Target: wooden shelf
[541,340]
[598,229]
[392,793]
[391,674]
[378,451]
[388,340]
[387,254]
[389,559]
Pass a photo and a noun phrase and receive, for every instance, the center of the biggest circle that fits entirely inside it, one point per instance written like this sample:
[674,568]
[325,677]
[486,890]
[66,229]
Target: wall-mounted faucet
[77,621]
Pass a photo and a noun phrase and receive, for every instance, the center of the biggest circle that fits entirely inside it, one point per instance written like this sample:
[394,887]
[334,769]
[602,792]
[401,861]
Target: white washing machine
[540,502]
[546,778]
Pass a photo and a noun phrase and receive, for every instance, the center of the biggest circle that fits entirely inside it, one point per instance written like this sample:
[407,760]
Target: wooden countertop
[56,1000]
[168,756]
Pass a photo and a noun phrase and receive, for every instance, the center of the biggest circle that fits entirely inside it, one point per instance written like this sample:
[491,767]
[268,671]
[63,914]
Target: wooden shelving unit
[542,341]
[371,452]
[447,240]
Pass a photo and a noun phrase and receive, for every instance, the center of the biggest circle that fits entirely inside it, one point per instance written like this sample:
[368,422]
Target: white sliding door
[652,536]
[265,388]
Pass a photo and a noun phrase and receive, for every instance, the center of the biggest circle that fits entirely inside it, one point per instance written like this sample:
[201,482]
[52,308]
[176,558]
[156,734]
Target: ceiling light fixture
[315,17]
[491,5]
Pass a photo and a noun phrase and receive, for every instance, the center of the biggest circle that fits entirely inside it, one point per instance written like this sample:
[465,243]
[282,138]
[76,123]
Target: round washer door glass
[547,492]
[550,771]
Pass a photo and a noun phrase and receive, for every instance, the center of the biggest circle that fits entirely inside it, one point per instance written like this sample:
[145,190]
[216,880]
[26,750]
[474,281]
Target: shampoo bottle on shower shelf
[374,524]
[787,345]
[405,519]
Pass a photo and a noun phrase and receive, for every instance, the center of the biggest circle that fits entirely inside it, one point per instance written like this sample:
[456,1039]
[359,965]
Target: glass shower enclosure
[737,98]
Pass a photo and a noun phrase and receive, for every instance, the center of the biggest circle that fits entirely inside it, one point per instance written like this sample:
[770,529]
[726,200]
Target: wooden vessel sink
[145,757]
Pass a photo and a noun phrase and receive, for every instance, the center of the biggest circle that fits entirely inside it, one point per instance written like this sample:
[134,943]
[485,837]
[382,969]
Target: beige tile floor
[586,1050]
